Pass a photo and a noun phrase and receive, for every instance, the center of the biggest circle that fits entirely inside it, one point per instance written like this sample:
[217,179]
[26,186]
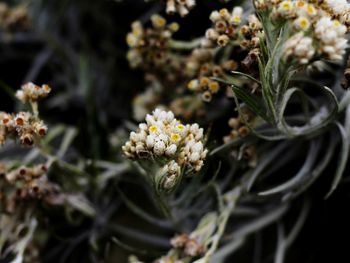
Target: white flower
[302,23]
[299,47]
[159,148]
[215,16]
[197,147]
[194,157]
[171,149]
[331,34]
[338,5]
[182,7]
[150,141]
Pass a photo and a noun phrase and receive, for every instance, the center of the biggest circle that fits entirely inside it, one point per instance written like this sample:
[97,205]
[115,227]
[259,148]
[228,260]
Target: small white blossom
[331,34]
[300,48]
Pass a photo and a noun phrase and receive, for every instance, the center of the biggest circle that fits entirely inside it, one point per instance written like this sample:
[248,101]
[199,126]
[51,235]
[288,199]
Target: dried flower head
[25,126]
[179,6]
[28,184]
[30,92]
[149,47]
[14,19]
[225,26]
[203,83]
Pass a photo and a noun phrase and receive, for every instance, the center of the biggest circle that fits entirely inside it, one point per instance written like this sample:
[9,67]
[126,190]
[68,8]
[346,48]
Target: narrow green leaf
[344,156]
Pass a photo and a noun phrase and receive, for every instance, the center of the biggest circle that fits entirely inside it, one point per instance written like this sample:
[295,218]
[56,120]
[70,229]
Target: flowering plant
[174,131]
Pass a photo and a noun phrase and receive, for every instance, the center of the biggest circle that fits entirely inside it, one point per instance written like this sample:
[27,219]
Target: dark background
[78,48]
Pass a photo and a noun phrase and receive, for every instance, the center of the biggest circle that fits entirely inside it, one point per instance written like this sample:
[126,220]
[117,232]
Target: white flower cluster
[163,137]
[172,171]
[331,34]
[225,26]
[340,9]
[317,32]
[293,9]
[181,6]
[30,92]
[150,45]
[299,47]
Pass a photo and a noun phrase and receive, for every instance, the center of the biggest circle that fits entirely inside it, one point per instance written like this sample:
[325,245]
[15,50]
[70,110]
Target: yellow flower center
[180,127]
[300,3]
[174,137]
[214,86]
[192,85]
[311,10]
[158,21]
[286,5]
[304,23]
[336,23]
[236,19]
[174,27]
[223,12]
[204,81]
[153,129]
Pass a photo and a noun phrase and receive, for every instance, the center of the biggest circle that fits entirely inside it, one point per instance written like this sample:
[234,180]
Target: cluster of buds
[339,9]
[14,18]
[318,32]
[149,47]
[180,6]
[190,246]
[299,47]
[198,57]
[251,32]
[239,125]
[225,27]
[168,177]
[26,126]
[165,140]
[26,184]
[331,36]
[32,93]
[240,130]
[23,125]
[204,84]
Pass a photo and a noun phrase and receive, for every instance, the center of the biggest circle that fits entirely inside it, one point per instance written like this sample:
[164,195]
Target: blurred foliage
[281,210]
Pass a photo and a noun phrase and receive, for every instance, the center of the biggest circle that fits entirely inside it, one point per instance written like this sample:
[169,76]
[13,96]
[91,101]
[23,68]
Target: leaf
[344,156]
[225,146]
[316,171]
[247,229]
[273,154]
[318,121]
[246,75]
[284,242]
[80,203]
[299,178]
[251,100]
[143,214]
[66,142]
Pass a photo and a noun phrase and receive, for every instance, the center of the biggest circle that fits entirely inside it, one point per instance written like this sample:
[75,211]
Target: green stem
[185,45]
[35,108]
